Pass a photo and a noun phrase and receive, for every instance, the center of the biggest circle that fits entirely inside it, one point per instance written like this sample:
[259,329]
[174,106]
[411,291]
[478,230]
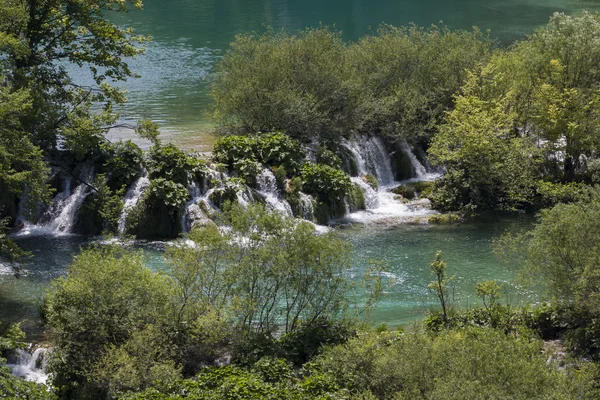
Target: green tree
[38,39]
[107,297]
[487,166]
[440,286]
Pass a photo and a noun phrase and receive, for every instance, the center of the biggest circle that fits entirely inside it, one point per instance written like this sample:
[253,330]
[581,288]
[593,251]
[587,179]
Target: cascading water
[307,207]
[372,157]
[30,366]
[267,188]
[132,197]
[60,216]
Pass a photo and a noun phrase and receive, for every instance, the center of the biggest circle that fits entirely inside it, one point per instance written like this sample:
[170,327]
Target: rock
[419,204]
[197,218]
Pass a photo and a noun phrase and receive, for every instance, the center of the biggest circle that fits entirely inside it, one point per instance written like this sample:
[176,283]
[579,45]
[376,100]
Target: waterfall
[307,208]
[31,367]
[371,157]
[132,197]
[267,188]
[419,169]
[60,216]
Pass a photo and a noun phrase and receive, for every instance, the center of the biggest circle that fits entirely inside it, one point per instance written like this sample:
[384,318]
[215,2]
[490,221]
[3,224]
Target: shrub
[169,163]
[328,157]
[454,364]
[326,182]
[124,161]
[107,296]
[227,150]
[550,194]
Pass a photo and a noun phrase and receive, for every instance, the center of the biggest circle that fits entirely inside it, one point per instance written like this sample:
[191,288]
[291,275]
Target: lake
[189,36]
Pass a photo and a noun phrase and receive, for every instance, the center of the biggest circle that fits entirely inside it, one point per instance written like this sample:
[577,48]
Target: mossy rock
[443,219]
[8,205]
[322,213]
[88,220]
[154,220]
[222,195]
[356,198]
[413,190]
[349,164]
[402,166]
[372,181]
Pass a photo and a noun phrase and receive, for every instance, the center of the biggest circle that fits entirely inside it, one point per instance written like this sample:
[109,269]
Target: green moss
[88,220]
[443,219]
[372,181]
[356,198]
[322,213]
[413,190]
[403,168]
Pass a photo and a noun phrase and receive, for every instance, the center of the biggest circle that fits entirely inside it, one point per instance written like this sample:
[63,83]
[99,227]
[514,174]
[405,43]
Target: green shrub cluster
[170,163]
[123,163]
[393,81]
[271,149]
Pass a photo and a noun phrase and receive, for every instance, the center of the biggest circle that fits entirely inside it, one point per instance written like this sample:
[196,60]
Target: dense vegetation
[252,304]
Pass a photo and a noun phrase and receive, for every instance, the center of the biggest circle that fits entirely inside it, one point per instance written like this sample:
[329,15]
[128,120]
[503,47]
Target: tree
[107,300]
[488,167]
[440,286]
[269,273]
[38,39]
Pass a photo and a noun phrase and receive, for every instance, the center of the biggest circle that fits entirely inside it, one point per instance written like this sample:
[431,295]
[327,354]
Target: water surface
[189,36]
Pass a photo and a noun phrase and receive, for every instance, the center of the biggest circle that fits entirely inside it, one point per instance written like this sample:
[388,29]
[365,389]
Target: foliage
[440,286]
[327,157]
[107,296]
[454,364]
[272,149]
[39,39]
[549,194]
[278,277]
[171,194]
[487,166]
[169,163]
[298,84]
[408,76]
[248,170]
[109,204]
[326,182]
[123,163]
[311,84]
[12,387]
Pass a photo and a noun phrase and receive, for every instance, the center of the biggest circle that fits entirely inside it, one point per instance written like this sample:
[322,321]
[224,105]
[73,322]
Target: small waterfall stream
[267,188]
[132,197]
[59,219]
[373,158]
[30,366]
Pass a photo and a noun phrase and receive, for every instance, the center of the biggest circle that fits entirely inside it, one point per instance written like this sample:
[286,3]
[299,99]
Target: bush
[550,194]
[169,163]
[452,365]
[326,182]
[298,84]
[271,149]
[124,161]
[107,296]
[328,157]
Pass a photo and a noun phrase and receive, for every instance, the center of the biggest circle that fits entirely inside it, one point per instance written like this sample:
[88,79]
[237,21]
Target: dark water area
[189,36]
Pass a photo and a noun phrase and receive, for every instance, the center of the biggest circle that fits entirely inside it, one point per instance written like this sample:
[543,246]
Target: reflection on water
[190,35]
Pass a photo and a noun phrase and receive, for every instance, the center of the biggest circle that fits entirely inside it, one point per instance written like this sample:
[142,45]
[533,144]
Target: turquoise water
[406,251]
[189,36]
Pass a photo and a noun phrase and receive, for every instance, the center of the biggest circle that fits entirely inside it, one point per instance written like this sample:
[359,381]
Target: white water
[132,197]
[61,213]
[31,367]
[372,158]
[267,188]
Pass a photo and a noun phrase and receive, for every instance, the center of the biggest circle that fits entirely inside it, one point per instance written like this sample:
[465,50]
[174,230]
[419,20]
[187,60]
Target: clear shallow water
[189,36]
[406,249]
